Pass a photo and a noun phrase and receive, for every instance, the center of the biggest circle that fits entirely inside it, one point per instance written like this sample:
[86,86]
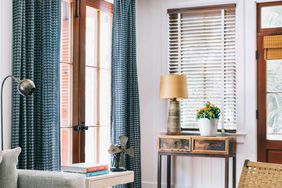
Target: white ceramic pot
[207,127]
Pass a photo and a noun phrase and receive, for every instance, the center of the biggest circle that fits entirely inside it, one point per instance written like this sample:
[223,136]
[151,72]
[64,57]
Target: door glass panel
[91,85]
[91,103]
[271,17]
[91,136]
[105,142]
[66,74]
[91,42]
[274,99]
[65,94]
[66,147]
[105,86]
[66,31]
[91,96]
[105,38]
[105,97]
[105,68]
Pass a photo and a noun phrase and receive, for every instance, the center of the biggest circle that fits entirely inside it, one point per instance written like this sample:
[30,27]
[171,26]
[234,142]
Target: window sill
[240,137]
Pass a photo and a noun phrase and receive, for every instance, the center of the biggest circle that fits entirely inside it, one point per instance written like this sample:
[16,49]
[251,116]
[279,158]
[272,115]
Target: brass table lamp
[173,87]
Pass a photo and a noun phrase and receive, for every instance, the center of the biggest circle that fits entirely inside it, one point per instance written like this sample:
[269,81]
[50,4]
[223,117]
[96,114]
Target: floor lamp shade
[173,87]
[25,87]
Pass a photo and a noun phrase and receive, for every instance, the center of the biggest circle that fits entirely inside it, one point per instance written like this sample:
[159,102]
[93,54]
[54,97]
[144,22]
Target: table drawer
[174,144]
[205,145]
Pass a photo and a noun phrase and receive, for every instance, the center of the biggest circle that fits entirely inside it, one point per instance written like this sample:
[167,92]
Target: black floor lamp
[25,87]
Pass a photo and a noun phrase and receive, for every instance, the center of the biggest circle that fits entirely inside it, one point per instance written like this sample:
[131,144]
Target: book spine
[97,173]
[98,168]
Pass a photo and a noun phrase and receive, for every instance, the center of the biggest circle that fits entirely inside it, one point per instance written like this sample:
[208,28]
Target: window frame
[238,68]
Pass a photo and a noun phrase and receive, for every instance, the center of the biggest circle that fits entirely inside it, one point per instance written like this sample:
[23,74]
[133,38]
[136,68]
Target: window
[271,17]
[85,74]
[202,46]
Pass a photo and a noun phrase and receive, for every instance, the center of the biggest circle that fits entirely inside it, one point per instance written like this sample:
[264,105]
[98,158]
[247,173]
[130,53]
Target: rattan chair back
[261,175]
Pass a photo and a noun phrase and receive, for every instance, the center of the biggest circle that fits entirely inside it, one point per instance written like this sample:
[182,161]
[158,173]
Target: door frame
[262,143]
[79,35]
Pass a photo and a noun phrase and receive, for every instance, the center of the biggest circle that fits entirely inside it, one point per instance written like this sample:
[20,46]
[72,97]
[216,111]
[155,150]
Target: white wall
[152,62]
[5,63]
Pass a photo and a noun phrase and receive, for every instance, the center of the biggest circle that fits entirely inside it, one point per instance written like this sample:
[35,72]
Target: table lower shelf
[111,179]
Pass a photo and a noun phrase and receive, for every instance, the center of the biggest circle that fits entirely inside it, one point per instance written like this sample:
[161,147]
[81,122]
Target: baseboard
[153,184]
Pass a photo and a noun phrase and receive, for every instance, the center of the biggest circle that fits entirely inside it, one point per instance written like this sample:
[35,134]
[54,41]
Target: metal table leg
[159,171]
[234,172]
[168,171]
[226,172]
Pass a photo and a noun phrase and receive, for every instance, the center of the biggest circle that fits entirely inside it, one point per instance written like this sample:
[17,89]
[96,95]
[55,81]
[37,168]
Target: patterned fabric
[35,123]
[125,98]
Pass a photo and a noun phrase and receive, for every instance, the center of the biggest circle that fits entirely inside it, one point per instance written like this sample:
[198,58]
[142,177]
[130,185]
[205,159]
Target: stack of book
[88,170]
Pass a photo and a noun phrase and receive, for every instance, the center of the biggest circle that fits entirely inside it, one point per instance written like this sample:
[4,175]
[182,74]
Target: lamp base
[173,123]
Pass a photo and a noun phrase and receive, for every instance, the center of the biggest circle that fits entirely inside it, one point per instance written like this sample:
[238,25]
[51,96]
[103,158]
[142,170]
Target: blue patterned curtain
[125,98]
[35,122]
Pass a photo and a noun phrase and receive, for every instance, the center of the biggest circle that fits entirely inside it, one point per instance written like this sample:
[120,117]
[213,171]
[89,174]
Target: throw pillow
[8,167]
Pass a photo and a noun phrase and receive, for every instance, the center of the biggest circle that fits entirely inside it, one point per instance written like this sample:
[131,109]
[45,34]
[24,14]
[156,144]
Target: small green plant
[209,111]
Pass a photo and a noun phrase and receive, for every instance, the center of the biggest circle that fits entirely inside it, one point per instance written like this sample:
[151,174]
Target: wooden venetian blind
[202,46]
[272,47]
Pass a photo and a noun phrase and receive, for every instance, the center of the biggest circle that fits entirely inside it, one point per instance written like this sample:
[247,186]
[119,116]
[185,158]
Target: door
[85,80]
[269,82]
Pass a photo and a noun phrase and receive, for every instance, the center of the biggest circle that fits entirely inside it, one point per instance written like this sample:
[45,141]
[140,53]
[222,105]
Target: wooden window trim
[76,137]
[266,31]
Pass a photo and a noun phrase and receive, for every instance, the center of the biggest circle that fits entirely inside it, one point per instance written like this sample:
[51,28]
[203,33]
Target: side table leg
[226,172]
[168,171]
[234,172]
[159,171]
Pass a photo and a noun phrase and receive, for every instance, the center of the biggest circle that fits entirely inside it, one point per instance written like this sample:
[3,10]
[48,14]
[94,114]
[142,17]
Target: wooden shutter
[202,46]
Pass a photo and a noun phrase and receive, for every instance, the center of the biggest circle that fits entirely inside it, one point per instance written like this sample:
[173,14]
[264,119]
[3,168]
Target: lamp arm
[2,87]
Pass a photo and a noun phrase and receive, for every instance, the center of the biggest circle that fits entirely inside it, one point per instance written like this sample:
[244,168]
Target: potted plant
[207,118]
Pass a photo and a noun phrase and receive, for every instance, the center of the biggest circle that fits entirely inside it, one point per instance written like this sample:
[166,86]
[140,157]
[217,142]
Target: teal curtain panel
[35,119]
[125,112]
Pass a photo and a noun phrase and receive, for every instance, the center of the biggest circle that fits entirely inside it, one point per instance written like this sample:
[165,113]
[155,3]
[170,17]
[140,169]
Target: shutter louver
[202,46]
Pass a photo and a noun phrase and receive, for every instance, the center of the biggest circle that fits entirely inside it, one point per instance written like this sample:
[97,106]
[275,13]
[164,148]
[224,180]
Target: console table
[186,145]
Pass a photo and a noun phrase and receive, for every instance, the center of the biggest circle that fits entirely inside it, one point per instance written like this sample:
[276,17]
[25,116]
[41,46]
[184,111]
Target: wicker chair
[261,175]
